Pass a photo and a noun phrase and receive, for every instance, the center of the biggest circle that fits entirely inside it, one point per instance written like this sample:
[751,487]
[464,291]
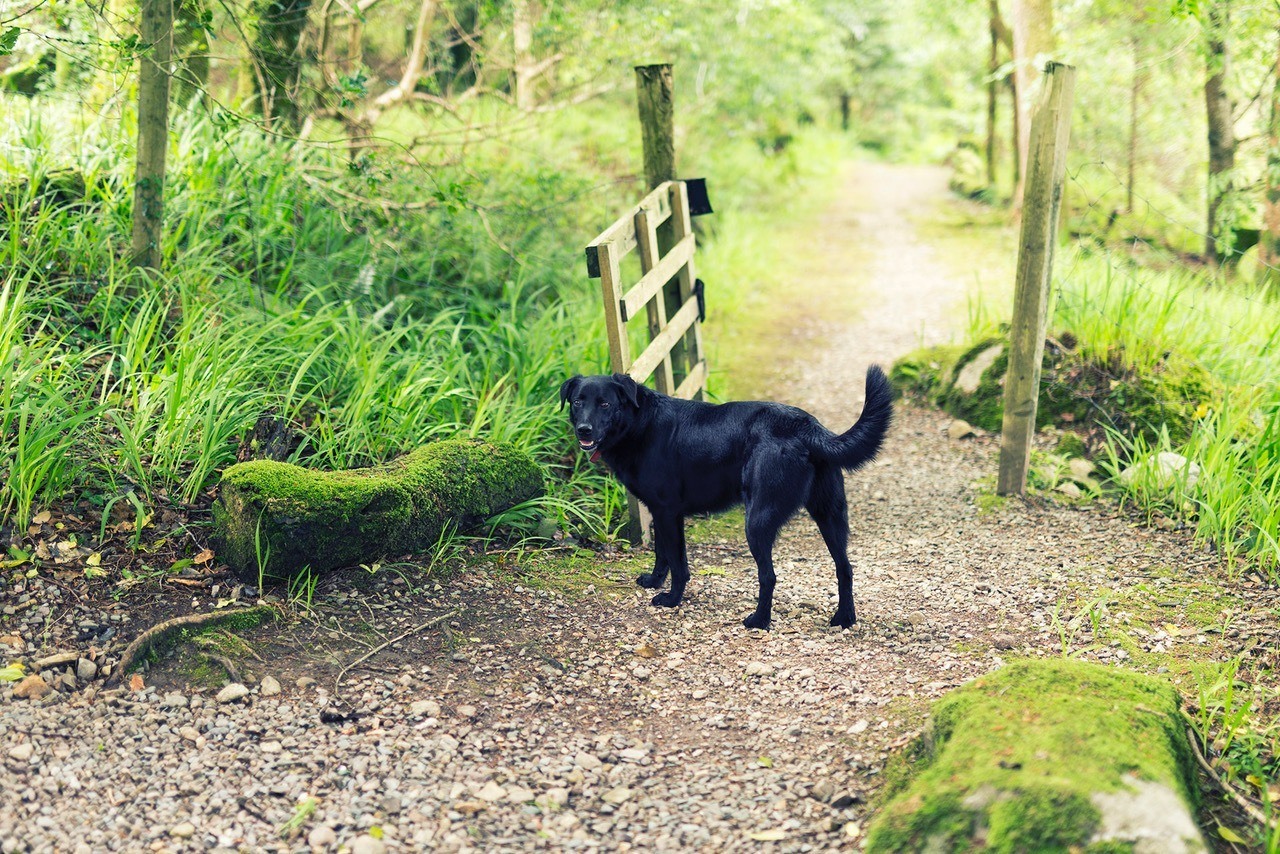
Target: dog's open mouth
[590,447]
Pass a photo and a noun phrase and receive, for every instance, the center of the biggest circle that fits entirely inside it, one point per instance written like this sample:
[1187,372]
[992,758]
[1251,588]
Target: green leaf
[764,762]
[12,673]
[8,39]
[1230,835]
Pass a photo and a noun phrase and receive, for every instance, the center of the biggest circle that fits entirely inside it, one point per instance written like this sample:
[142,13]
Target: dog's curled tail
[860,443]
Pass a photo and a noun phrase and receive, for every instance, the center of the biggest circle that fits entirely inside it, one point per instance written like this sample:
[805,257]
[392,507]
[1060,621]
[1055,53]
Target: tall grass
[370,334]
[372,308]
[1137,318]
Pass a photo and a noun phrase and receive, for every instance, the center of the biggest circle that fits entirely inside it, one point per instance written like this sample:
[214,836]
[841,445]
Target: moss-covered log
[272,519]
[1047,756]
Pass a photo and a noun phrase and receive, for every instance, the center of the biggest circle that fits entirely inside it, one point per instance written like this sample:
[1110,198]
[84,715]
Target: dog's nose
[584,431]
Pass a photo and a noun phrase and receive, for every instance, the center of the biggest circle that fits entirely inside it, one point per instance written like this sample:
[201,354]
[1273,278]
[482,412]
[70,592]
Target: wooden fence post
[1050,130]
[655,99]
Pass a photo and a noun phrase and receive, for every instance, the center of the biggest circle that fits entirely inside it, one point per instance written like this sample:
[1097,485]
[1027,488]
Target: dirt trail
[633,728]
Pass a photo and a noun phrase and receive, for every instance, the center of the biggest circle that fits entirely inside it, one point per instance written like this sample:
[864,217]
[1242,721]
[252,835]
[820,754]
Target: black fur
[681,457]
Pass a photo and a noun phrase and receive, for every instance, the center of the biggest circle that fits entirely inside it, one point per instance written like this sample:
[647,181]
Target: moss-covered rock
[923,372]
[1047,756]
[1091,396]
[274,519]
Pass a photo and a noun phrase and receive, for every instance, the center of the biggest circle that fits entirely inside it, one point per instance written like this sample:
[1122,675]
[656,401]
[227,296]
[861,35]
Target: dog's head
[600,408]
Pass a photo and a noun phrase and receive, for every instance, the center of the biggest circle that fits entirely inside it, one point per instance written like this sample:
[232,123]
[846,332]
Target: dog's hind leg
[668,542]
[829,508]
[774,480]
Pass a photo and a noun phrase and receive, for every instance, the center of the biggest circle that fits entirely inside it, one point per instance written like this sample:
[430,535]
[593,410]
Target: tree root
[163,634]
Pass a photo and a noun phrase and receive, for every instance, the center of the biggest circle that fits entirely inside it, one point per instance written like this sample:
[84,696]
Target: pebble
[587,761]
[425,708]
[367,845]
[759,668]
[22,752]
[232,692]
[268,687]
[32,687]
[86,670]
[491,792]
[174,700]
[183,830]
[322,836]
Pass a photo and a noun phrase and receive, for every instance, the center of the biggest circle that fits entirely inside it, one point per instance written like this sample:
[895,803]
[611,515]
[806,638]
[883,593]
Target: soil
[536,700]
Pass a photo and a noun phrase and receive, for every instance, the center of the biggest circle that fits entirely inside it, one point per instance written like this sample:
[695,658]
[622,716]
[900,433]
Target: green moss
[925,372]
[1074,389]
[716,527]
[1071,445]
[279,518]
[1016,755]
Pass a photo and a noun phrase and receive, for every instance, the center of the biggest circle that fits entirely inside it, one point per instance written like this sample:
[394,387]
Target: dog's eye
[604,404]
[576,403]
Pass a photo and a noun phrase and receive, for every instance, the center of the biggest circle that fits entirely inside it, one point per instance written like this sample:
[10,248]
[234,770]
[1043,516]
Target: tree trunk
[1032,41]
[277,64]
[522,41]
[156,34]
[845,109]
[993,90]
[272,520]
[1269,242]
[1218,110]
[1135,97]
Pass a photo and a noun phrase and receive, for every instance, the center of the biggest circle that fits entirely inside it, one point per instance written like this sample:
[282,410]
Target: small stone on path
[367,845]
[183,830]
[425,708]
[960,429]
[232,692]
[22,752]
[269,687]
[491,792]
[322,837]
[31,688]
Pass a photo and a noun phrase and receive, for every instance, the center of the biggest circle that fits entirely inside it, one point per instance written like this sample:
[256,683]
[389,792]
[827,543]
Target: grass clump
[1013,760]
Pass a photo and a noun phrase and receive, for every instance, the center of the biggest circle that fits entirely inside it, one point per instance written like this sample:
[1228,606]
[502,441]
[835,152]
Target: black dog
[682,456]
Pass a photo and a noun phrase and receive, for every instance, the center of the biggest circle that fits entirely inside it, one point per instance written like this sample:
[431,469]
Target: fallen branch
[162,634]
[1252,811]
[433,622]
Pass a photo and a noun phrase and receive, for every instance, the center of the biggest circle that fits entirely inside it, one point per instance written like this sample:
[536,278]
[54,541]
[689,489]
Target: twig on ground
[434,621]
[1252,811]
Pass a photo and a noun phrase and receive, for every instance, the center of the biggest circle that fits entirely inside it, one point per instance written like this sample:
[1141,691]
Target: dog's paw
[755,621]
[666,600]
[650,580]
[844,619]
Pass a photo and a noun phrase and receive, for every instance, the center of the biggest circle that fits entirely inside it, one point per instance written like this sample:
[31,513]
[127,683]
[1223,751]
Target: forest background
[345,228]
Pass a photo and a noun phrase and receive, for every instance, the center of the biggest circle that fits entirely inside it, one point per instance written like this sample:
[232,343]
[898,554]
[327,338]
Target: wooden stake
[1050,131]
[654,97]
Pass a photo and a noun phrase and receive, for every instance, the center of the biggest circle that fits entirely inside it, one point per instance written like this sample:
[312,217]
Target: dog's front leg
[661,560]
[668,542]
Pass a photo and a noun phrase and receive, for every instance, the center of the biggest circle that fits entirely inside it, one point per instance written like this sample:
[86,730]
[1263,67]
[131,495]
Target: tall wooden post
[1050,130]
[654,96]
[156,32]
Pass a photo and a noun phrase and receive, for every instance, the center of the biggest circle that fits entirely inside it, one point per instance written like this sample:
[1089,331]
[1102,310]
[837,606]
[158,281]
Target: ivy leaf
[8,39]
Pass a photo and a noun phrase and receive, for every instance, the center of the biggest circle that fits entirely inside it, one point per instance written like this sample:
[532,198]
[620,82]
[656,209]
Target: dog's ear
[630,388]
[567,388]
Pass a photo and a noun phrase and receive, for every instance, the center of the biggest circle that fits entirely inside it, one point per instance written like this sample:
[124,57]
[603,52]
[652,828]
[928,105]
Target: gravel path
[587,720]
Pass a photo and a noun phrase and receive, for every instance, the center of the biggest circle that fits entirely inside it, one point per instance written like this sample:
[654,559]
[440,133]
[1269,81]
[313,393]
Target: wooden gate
[674,356]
